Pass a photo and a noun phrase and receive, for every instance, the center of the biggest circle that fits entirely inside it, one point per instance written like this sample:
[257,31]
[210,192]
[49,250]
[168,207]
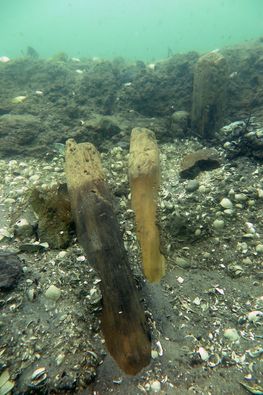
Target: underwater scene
[131,197]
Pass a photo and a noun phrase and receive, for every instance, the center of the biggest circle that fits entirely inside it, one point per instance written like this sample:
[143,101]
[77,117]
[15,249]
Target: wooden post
[123,320]
[209,94]
[144,176]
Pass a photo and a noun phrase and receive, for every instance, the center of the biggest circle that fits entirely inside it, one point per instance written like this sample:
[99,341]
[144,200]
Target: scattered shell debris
[207,313]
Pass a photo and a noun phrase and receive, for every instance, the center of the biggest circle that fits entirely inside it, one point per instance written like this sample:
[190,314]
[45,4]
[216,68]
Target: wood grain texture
[123,320]
[144,177]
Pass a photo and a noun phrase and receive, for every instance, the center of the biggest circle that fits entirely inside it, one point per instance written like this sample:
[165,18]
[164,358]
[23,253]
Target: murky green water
[138,29]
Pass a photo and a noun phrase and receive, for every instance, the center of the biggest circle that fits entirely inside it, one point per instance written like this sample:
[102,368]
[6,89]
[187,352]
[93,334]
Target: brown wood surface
[144,177]
[123,320]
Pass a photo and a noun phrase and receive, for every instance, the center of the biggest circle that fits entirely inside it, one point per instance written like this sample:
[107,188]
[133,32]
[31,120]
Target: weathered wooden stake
[123,320]
[209,94]
[144,176]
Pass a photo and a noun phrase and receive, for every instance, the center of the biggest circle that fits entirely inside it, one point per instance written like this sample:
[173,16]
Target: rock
[242,138]
[154,354]
[260,193]
[54,215]
[31,293]
[240,197]
[192,186]
[53,293]
[183,263]
[180,122]
[226,204]
[18,132]
[100,128]
[26,225]
[156,386]
[231,334]
[218,224]
[10,270]
[259,248]
[33,247]
[18,99]
[193,163]
[203,189]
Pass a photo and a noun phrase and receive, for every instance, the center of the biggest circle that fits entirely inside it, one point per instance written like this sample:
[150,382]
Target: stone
[156,386]
[259,248]
[180,122]
[231,334]
[239,138]
[23,228]
[154,354]
[226,203]
[183,263]
[31,293]
[10,270]
[192,186]
[240,197]
[218,224]
[54,215]
[201,160]
[18,131]
[33,247]
[260,193]
[203,189]
[53,293]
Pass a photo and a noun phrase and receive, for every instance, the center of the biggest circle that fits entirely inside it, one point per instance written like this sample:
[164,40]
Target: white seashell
[255,316]
[203,354]
[160,349]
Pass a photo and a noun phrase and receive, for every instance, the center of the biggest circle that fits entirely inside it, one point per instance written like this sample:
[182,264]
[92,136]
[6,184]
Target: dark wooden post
[123,320]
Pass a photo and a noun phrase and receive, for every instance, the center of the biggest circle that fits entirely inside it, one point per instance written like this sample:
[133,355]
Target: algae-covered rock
[10,270]
[194,162]
[180,122]
[17,132]
[54,216]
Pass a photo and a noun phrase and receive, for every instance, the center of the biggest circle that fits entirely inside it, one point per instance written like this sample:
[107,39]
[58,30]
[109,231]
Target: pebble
[203,189]
[156,386]
[247,261]
[231,334]
[33,247]
[9,201]
[35,177]
[31,294]
[259,248]
[154,354]
[218,224]
[61,254]
[226,203]
[183,263]
[53,293]
[192,186]
[23,228]
[81,258]
[240,197]
[60,358]
[260,193]
[228,211]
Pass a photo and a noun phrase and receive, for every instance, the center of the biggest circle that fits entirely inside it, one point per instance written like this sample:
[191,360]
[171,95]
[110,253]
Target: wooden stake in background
[209,94]
[144,176]
[123,320]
